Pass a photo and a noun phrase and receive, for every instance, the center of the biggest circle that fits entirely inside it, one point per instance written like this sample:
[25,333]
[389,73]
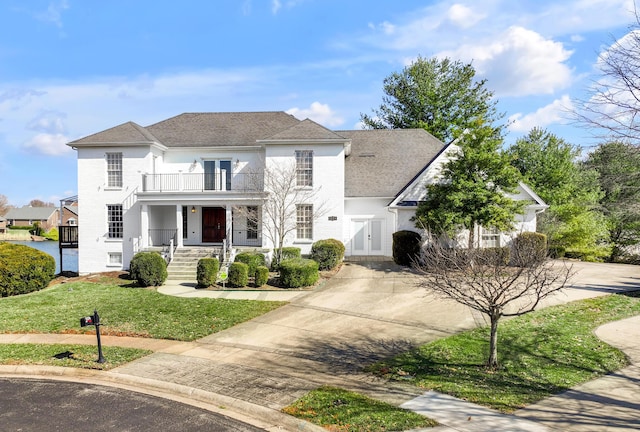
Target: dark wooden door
[213,224]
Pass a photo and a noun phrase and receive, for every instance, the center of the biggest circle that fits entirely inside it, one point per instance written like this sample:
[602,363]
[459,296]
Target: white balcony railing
[217,181]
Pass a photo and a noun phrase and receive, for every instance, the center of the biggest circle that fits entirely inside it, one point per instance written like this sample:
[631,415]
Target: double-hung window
[304,168]
[114,170]
[114,221]
[304,221]
[490,237]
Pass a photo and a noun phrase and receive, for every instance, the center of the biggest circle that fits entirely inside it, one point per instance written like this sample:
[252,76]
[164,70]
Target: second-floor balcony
[218,181]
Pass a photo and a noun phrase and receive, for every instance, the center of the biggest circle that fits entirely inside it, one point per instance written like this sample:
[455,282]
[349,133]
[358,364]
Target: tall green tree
[618,168]
[473,188]
[441,96]
[551,166]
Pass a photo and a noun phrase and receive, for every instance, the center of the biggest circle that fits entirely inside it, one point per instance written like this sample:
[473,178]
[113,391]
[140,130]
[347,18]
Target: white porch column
[144,226]
[229,219]
[180,224]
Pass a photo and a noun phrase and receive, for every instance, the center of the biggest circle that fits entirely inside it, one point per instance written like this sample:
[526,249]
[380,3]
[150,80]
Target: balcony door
[214,224]
[217,175]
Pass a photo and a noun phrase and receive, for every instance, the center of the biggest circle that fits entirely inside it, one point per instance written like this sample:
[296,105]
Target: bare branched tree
[613,106]
[279,210]
[492,281]
[4,205]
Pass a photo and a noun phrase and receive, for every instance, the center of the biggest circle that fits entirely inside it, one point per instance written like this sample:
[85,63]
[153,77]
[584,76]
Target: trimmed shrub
[287,253]
[261,276]
[529,248]
[252,259]
[298,272]
[238,274]
[406,247]
[327,253]
[494,256]
[24,269]
[148,268]
[207,271]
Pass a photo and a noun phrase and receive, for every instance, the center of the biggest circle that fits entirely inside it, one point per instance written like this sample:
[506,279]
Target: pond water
[69,256]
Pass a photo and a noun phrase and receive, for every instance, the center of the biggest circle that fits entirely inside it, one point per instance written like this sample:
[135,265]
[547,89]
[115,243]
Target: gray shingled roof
[128,132]
[30,213]
[221,129]
[306,130]
[383,161]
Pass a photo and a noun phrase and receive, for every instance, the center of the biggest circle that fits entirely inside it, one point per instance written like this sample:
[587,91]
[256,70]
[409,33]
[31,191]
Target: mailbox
[86,321]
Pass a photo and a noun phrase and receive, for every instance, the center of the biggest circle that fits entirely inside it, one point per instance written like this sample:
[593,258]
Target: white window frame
[114,170]
[114,259]
[304,168]
[115,222]
[490,237]
[304,221]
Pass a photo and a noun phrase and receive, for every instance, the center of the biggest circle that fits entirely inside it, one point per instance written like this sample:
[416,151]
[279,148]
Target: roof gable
[383,161]
[129,133]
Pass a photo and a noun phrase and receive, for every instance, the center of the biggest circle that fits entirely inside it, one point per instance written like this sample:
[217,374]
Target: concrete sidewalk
[367,312]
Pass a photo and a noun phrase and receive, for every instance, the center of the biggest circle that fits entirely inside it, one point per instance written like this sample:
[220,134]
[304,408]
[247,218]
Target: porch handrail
[202,182]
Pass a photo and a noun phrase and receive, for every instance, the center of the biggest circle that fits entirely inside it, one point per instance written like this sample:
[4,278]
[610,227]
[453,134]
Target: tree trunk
[493,343]
[472,236]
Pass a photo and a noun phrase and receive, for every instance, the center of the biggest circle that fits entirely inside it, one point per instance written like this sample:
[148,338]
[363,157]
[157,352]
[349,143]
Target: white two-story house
[205,179]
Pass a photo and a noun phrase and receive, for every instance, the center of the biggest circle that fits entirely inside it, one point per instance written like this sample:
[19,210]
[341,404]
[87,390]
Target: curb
[247,412]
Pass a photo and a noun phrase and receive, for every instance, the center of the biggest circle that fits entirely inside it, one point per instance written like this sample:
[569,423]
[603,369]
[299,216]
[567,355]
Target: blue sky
[70,68]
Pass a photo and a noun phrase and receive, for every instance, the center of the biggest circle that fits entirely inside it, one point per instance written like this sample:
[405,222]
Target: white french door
[366,236]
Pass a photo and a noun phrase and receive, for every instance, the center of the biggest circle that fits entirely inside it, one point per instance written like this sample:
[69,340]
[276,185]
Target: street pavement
[366,312]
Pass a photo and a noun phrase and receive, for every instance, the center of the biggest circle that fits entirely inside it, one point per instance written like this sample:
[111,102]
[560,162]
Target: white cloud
[48,144]
[53,14]
[555,112]
[318,112]
[275,6]
[518,63]
[463,16]
[48,122]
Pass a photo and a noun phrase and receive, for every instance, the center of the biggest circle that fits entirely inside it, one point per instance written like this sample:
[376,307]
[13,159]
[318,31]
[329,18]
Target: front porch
[199,225]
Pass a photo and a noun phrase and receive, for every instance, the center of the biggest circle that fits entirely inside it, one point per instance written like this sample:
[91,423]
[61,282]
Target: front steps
[185,261]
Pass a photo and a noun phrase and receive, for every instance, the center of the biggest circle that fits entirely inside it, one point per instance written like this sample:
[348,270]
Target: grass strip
[540,354]
[124,311]
[76,356]
[341,410]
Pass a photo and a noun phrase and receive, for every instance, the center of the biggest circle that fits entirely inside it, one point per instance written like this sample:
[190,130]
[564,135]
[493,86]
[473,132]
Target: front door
[366,236]
[213,224]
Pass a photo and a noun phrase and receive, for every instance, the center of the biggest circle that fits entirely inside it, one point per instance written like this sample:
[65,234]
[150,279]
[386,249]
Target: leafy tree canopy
[440,96]
[473,187]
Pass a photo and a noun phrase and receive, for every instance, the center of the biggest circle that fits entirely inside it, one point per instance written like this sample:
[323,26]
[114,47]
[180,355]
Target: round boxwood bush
[148,268]
[298,272]
[24,269]
[327,253]
[261,276]
[238,274]
[406,247]
[207,271]
[252,259]
[288,252]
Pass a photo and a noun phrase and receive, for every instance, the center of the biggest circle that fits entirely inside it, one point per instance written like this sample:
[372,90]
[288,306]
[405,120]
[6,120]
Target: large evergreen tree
[473,187]
[618,167]
[551,167]
[441,96]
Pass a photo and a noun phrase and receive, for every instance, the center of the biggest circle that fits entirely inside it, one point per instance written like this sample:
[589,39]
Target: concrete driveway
[368,311]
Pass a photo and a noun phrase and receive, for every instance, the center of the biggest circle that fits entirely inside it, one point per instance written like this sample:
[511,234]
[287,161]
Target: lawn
[124,311]
[77,356]
[344,411]
[541,354]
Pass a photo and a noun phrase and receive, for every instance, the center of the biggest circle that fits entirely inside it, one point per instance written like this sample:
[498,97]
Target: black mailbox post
[94,320]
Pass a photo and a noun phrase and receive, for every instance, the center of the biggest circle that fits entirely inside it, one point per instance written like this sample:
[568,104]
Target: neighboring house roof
[30,213]
[221,129]
[384,161]
[129,132]
[72,209]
